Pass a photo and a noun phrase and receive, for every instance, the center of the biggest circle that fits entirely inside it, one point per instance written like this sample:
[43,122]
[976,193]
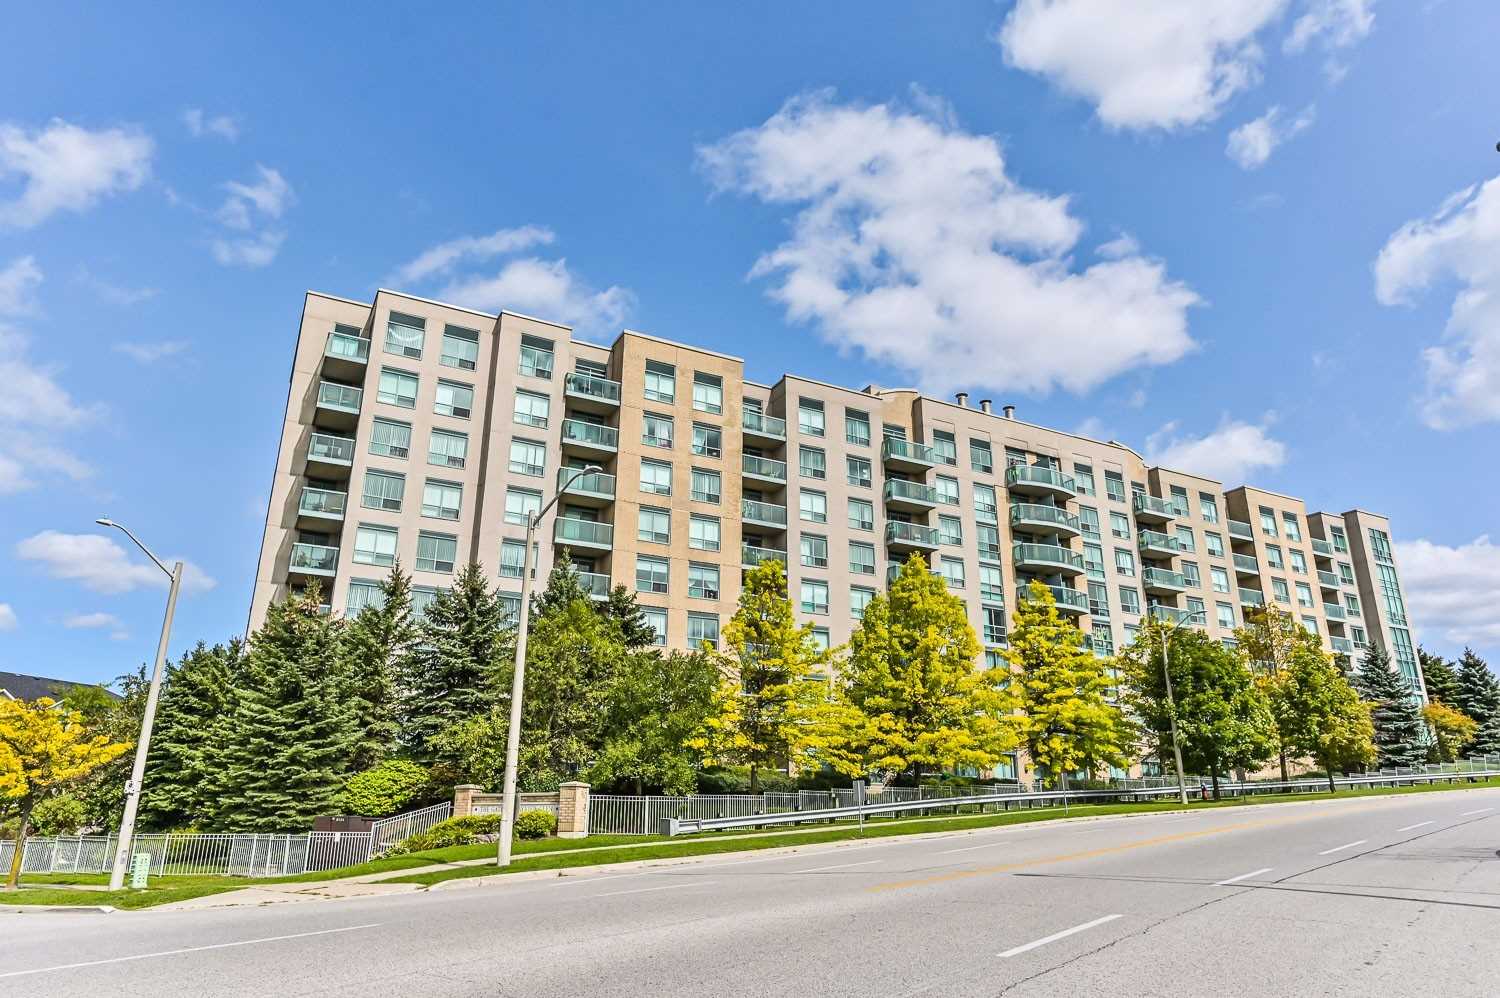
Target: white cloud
[1251,144]
[252,209]
[1119,247]
[98,563]
[17,281]
[444,256]
[67,168]
[150,353]
[1146,63]
[114,294]
[1453,591]
[546,289]
[1334,25]
[90,621]
[1460,241]
[200,123]
[8,621]
[1229,454]
[913,245]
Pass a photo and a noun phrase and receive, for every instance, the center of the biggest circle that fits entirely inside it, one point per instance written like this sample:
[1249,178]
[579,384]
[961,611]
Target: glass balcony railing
[1156,541]
[595,483]
[344,346]
[1342,646]
[1246,563]
[896,449]
[322,502]
[1070,599]
[750,555]
[1047,555]
[570,530]
[314,559]
[1334,611]
[327,447]
[345,398]
[1252,597]
[1241,529]
[915,492]
[595,584]
[763,467]
[1322,548]
[1160,578]
[592,387]
[762,425]
[763,512]
[1020,476]
[1023,514]
[578,431]
[1152,506]
[899,532]
[893,571]
[1328,580]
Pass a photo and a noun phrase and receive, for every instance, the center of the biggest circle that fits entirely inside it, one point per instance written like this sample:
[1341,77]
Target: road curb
[56,909]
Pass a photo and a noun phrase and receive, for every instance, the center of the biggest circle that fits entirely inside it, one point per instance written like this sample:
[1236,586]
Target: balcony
[906,455]
[763,514]
[1161,582]
[574,533]
[1252,597]
[763,469]
[1327,579]
[1155,544]
[1334,611]
[596,584]
[909,497]
[1150,509]
[1245,564]
[318,508]
[750,555]
[593,489]
[1070,600]
[589,393]
[1322,548]
[1044,519]
[1047,558]
[893,572]
[317,560]
[329,456]
[346,356]
[1342,646]
[910,536]
[338,405]
[762,429]
[1241,529]
[589,439]
[1039,480]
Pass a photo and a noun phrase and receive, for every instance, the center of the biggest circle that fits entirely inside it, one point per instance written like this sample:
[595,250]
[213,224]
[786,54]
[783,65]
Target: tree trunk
[1332,787]
[1284,777]
[1214,775]
[754,779]
[13,879]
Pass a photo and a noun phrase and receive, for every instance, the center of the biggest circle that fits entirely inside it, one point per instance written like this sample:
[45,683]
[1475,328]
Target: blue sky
[1255,239]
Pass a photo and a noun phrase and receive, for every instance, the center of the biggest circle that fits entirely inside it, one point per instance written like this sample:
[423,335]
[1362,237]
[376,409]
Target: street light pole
[1166,675]
[143,743]
[518,676]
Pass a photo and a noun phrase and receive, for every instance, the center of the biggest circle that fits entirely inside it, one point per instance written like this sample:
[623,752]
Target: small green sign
[140,868]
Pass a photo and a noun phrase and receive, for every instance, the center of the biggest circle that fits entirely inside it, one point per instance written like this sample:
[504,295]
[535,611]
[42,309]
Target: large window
[661,382]
[390,438]
[861,558]
[944,447]
[861,514]
[1267,521]
[707,486]
[703,532]
[654,525]
[536,357]
[947,490]
[708,393]
[1088,519]
[1083,479]
[857,427]
[656,430]
[374,545]
[1208,508]
[527,457]
[810,417]
[1299,561]
[814,551]
[1114,486]
[1119,525]
[1130,599]
[703,581]
[1093,560]
[363,593]
[436,552]
[950,530]
[1098,599]
[650,574]
[708,441]
[656,478]
[702,628]
[453,399]
[520,504]
[403,335]
[812,462]
[657,619]
[1280,591]
[460,348]
[1213,543]
[1125,561]
[981,457]
[991,583]
[952,571]
[1190,575]
[859,598]
[442,499]
[448,449]
[986,509]
[397,388]
[814,597]
[1291,526]
[1220,579]
[993,624]
[1225,614]
[813,506]
[512,556]
[384,490]
[532,409]
[988,540]
[1304,595]
[859,471]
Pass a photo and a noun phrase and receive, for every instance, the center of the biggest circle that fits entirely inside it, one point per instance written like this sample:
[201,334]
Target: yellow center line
[941,878]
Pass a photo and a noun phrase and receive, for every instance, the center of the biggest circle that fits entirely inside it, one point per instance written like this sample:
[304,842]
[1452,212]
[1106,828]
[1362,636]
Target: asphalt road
[1366,896]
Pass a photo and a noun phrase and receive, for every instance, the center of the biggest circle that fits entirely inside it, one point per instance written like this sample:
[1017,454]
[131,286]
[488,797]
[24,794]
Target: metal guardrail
[388,831]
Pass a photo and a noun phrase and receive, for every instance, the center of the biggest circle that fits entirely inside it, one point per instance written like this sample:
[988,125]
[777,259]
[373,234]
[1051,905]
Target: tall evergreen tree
[1479,697]
[192,731]
[1439,678]
[377,649]
[454,674]
[288,751]
[1399,731]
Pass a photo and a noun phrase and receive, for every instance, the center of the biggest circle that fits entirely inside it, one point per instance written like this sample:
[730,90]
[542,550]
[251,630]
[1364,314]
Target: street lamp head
[105,521]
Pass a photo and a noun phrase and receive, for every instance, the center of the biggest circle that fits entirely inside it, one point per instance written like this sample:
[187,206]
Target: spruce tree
[1439,678]
[378,644]
[288,750]
[191,733]
[453,676]
[1399,731]
[1479,697]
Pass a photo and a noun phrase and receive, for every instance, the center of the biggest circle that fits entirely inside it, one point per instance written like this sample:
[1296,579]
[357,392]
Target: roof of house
[18,687]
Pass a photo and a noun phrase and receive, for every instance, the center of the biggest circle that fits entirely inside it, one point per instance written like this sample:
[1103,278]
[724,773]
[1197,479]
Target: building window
[658,621]
[950,530]
[1273,556]
[812,462]
[1219,579]
[1196,610]
[702,628]
[814,597]
[1351,604]
[397,388]
[363,593]
[947,490]
[821,638]
[1098,599]
[987,538]
[981,458]
[814,551]
[944,447]
[436,552]
[992,619]
[1208,508]
[708,441]
[859,472]
[708,393]
[994,659]
[1340,542]
[810,417]
[1114,486]
[1083,479]
[512,558]
[656,430]
[650,574]
[1124,561]
[1346,573]
[1226,615]
[384,490]
[1304,595]
[390,438]
[703,581]
[374,545]
[707,486]
[861,514]
[952,571]
[857,427]
[859,599]
[1088,520]
[703,532]
[460,348]
[1093,560]
[1185,539]
[1291,527]
[1190,575]
[1299,561]
[1311,623]
[520,504]
[986,509]
[532,409]
[1380,545]
[813,506]
[510,604]
[1119,526]
[447,449]
[442,499]
[536,357]
[1267,522]
[653,525]
[1280,590]
[404,334]
[1214,544]
[453,399]
[527,457]
[1357,636]
[1130,600]
[661,382]
[861,558]
[656,478]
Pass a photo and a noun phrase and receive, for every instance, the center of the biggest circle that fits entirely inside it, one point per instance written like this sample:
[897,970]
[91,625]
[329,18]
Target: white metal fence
[388,831]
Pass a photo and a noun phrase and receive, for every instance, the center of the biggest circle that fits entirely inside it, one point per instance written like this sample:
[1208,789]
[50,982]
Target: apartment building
[427,432]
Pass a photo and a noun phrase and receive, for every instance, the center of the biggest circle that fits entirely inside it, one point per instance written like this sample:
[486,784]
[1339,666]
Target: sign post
[859,802]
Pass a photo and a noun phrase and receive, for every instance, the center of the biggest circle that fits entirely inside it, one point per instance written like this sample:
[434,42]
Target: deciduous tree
[1451,731]
[1270,642]
[654,711]
[1318,714]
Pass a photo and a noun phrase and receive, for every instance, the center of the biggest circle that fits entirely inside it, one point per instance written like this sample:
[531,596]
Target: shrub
[383,789]
[535,824]
[61,815]
[453,832]
[736,780]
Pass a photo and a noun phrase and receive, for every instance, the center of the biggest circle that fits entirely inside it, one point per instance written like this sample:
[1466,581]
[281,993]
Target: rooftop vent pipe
[963,399]
[1010,411]
[984,405]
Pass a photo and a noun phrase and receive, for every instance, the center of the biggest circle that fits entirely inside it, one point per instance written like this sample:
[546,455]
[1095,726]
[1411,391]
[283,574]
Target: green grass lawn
[554,854]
